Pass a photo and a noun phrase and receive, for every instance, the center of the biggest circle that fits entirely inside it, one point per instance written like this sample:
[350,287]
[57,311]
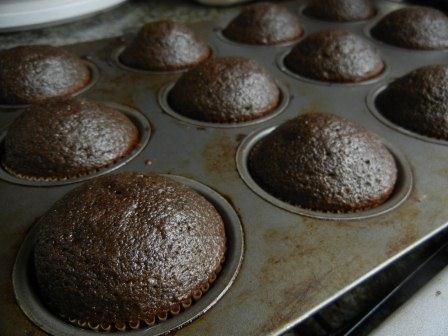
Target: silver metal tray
[293,264]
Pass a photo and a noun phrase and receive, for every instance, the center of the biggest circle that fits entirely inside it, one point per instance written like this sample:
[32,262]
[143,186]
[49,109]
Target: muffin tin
[293,264]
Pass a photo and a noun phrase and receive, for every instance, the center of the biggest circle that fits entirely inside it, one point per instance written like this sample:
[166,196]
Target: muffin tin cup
[135,116]
[219,32]
[164,104]
[32,306]
[401,192]
[371,104]
[280,61]
[94,77]
[116,53]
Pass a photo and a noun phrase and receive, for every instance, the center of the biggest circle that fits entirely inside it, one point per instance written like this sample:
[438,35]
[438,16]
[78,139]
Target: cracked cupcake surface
[341,10]
[418,101]
[413,28]
[335,56]
[66,138]
[165,46]
[225,90]
[264,23]
[29,74]
[325,163]
[126,248]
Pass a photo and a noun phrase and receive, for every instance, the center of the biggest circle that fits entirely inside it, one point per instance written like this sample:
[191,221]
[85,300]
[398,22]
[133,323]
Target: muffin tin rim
[403,186]
[95,75]
[162,98]
[280,62]
[138,119]
[31,305]
[117,51]
[371,106]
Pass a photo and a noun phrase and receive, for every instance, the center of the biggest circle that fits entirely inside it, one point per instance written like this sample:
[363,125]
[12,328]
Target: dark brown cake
[341,10]
[165,46]
[122,249]
[62,138]
[225,90]
[335,56]
[325,163]
[414,28]
[32,73]
[264,23]
[418,101]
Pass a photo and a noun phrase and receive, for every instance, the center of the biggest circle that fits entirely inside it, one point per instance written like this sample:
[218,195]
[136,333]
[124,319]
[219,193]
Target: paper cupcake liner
[175,309]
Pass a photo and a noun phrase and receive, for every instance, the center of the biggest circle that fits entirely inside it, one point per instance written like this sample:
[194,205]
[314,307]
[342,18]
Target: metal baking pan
[293,264]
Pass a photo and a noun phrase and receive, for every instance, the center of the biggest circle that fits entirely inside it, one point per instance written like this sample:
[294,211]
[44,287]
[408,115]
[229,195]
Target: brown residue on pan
[297,251]
[239,137]
[406,236]
[219,156]
[443,172]
[314,107]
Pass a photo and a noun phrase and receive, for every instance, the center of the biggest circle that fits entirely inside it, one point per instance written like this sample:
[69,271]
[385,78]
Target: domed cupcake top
[59,139]
[32,73]
[225,90]
[264,23]
[341,10]
[127,247]
[335,56]
[165,46]
[418,101]
[325,163]
[413,28]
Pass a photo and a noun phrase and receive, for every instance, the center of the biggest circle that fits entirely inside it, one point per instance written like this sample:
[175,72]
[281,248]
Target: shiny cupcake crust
[418,101]
[165,46]
[340,10]
[29,74]
[325,163]
[264,23]
[128,250]
[335,56]
[225,90]
[413,28]
[66,138]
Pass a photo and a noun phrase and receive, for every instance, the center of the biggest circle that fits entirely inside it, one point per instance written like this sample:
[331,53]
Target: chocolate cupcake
[165,46]
[225,90]
[413,28]
[335,56]
[325,163]
[33,73]
[418,101]
[128,249]
[340,10]
[264,23]
[66,138]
